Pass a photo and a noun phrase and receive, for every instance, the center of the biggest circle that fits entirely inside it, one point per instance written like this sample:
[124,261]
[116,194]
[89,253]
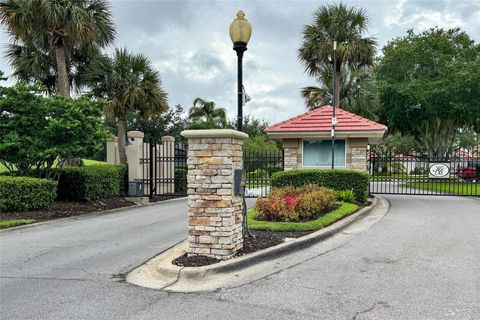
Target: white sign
[437,170]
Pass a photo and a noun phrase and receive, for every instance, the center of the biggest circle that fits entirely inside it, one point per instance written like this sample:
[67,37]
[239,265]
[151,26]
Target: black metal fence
[164,168]
[456,173]
[259,167]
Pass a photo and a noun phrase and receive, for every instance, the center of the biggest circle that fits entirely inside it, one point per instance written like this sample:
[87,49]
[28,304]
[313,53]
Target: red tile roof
[320,119]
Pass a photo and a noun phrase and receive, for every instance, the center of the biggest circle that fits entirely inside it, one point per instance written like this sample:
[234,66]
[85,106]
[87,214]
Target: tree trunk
[122,133]
[337,89]
[62,75]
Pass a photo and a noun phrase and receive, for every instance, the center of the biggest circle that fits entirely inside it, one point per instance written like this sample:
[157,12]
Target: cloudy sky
[188,42]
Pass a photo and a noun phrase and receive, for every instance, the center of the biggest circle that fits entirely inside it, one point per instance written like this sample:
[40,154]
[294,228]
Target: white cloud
[189,44]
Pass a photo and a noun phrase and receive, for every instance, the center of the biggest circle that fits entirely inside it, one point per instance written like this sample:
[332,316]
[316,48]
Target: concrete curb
[166,269]
[90,214]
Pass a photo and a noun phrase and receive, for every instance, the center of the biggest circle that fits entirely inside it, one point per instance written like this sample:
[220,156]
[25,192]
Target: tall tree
[338,23]
[204,113]
[129,84]
[47,29]
[358,91]
[251,125]
[430,86]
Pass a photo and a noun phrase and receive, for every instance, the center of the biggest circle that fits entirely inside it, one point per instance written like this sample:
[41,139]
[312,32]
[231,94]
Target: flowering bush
[295,204]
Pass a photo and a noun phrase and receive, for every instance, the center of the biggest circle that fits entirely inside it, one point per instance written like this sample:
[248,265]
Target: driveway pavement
[422,261]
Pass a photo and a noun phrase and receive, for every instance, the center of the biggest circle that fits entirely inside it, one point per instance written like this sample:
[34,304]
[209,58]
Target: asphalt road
[422,261]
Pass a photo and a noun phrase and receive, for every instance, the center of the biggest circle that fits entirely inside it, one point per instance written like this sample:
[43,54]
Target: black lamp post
[334,119]
[240,31]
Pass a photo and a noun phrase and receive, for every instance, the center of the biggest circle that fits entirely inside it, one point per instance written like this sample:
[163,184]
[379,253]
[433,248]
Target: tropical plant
[204,114]
[37,132]
[50,35]
[429,86]
[358,91]
[398,144]
[295,204]
[129,84]
[251,125]
[339,23]
[260,144]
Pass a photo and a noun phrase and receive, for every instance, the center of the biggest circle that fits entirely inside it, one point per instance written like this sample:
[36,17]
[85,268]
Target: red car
[467,173]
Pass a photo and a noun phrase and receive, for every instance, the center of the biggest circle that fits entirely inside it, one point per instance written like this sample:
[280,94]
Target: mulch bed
[260,240]
[63,209]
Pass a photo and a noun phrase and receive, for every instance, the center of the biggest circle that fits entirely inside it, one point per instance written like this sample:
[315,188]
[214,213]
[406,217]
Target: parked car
[468,172]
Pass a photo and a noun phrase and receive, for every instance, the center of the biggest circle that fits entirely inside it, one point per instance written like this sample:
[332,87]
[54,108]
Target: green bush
[90,183]
[25,193]
[332,179]
[181,179]
[295,204]
[346,196]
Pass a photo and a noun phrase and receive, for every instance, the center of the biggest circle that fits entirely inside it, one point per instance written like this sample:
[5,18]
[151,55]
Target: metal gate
[456,173]
[259,167]
[164,169]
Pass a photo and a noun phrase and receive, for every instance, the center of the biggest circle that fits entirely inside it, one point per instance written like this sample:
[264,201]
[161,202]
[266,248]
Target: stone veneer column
[358,149]
[214,212]
[290,154]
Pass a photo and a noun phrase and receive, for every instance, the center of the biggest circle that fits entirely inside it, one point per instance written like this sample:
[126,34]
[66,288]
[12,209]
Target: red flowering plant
[295,204]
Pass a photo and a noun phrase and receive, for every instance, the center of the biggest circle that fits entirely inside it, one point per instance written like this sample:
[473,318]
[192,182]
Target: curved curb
[166,269]
[90,214]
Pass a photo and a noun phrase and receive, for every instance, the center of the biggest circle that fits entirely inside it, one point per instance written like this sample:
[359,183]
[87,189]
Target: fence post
[167,165]
[134,154]
[112,150]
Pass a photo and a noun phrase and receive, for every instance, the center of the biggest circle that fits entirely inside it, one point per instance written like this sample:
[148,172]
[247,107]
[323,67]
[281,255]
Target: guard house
[307,140]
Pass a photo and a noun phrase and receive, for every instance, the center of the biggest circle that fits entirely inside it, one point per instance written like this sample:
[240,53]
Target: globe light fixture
[240,32]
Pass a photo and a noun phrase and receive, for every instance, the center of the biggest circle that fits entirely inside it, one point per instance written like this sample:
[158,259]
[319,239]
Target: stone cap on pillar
[136,134]
[168,139]
[113,138]
[214,133]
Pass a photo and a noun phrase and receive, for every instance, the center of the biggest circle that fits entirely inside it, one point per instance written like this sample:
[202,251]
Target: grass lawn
[389,177]
[457,187]
[88,162]
[321,222]
[13,223]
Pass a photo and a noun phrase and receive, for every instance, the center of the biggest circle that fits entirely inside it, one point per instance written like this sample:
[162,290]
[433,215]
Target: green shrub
[25,193]
[181,179]
[418,170]
[90,183]
[295,204]
[346,196]
[332,179]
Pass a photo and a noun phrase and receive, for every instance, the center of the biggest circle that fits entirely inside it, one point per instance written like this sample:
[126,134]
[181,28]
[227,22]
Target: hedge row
[90,183]
[25,193]
[333,179]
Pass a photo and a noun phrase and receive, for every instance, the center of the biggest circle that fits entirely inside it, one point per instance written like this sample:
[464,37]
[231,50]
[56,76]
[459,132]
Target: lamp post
[240,31]
[334,119]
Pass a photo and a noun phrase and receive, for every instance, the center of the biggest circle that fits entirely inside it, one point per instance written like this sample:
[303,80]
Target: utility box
[135,188]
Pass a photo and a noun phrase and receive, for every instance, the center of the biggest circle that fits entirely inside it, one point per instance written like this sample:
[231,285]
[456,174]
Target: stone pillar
[358,154]
[214,212]
[166,165]
[291,154]
[134,153]
[112,150]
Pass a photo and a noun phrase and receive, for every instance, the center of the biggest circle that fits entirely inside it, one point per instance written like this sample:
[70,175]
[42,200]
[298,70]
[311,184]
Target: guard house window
[318,153]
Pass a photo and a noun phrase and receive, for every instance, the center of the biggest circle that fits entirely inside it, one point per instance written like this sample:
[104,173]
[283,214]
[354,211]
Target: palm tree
[204,113]
[44,30]
[129,84]
[358,91]
[342,24]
